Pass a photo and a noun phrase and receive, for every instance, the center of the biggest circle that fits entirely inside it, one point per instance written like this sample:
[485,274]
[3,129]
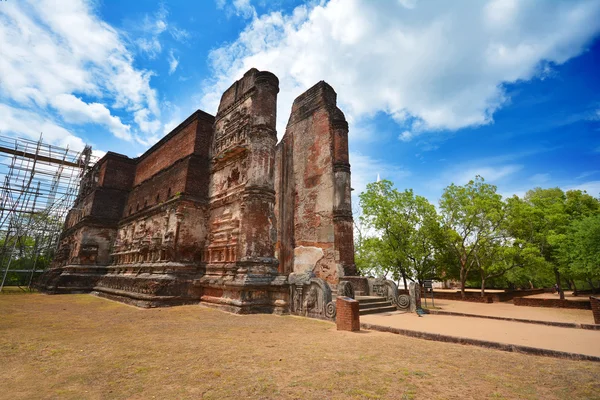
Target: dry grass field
[83,347]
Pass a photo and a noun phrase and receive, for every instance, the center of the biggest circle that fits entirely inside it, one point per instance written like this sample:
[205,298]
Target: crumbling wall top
[244,87]
[320,95]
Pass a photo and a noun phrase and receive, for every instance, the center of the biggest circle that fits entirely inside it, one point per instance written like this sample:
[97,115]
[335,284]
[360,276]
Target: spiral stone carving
[330,310]
[403,301]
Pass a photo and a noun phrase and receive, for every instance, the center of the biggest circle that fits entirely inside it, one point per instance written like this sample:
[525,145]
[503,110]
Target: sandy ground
[570,340]
[509,310]
[83,347]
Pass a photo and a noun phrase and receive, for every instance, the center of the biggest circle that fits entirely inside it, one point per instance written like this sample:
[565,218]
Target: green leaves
[404,229]
[478,234]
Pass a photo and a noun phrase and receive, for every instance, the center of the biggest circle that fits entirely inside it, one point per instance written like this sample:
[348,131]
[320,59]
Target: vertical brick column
[347,318]
[595,301]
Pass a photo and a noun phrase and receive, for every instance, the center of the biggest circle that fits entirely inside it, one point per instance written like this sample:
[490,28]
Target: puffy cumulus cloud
[435,65]
[60,56]
[74,110]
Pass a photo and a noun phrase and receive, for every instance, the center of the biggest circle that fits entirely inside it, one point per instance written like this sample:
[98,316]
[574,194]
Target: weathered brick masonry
[217,212]
[348,317]
[552,303]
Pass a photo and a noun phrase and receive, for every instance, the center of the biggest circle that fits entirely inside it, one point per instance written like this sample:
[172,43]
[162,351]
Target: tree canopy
[548,236]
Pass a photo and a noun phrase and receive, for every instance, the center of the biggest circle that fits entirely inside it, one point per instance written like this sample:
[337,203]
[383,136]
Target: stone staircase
[374,305]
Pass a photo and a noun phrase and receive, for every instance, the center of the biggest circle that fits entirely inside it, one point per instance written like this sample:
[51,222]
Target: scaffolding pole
[39,185]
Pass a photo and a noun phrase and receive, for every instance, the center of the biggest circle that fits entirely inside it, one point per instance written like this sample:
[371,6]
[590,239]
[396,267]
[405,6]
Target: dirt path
[509,310]
[569,340]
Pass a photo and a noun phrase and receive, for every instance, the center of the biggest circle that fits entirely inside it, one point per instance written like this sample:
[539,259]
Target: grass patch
[80,346]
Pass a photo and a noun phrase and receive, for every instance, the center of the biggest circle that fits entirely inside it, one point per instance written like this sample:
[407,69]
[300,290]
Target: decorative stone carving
[345,289]
[385,288]
[403,302]
[311,296]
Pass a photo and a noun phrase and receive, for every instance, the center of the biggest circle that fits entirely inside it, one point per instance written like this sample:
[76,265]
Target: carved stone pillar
[257,238]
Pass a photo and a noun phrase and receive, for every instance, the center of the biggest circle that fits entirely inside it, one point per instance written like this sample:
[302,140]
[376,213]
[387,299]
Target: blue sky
[435,92]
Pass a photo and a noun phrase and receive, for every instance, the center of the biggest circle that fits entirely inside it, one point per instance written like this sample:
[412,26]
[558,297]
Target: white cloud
[29,124]
[431,65]
[241,8]
[74,110]
[244,9]
[173,62]
[63,56]
[151,27]
[592,187]
[144,121]
[406,136]
[180,35]
[491,174]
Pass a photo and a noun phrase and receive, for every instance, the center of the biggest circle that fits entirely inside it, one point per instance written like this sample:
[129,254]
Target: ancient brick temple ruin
[218,212]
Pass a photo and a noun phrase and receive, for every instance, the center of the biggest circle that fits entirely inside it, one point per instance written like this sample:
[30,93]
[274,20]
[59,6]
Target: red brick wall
[595,303]
[175,148]
[473,297]
[165,185]
[347,318]
[192,136]
[116,172]
[554,303]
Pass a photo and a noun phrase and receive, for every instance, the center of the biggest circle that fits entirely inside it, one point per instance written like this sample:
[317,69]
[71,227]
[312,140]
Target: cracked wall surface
[314,207]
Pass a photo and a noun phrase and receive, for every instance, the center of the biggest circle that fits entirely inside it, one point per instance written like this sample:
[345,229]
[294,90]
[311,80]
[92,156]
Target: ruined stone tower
[218,212]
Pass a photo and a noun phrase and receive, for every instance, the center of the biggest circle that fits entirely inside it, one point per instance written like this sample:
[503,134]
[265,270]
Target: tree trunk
[591,282]
[574,287]
[569,284]
[560,292]
[404,279]
[462,282]
[482,286]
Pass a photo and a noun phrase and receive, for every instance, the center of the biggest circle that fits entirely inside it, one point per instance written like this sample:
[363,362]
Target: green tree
[579,250]
[472,216]
[542,219]
[404,228]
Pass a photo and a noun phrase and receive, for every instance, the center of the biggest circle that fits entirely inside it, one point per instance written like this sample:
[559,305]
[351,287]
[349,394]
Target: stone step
[377,310]
[364,306]
[369,299]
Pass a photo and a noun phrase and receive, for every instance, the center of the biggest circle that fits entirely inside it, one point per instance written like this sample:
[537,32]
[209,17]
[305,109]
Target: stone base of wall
[168,284]
[70,279]
[552,303]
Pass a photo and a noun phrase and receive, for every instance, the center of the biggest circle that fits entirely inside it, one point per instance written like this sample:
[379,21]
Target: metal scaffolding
[39,183]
